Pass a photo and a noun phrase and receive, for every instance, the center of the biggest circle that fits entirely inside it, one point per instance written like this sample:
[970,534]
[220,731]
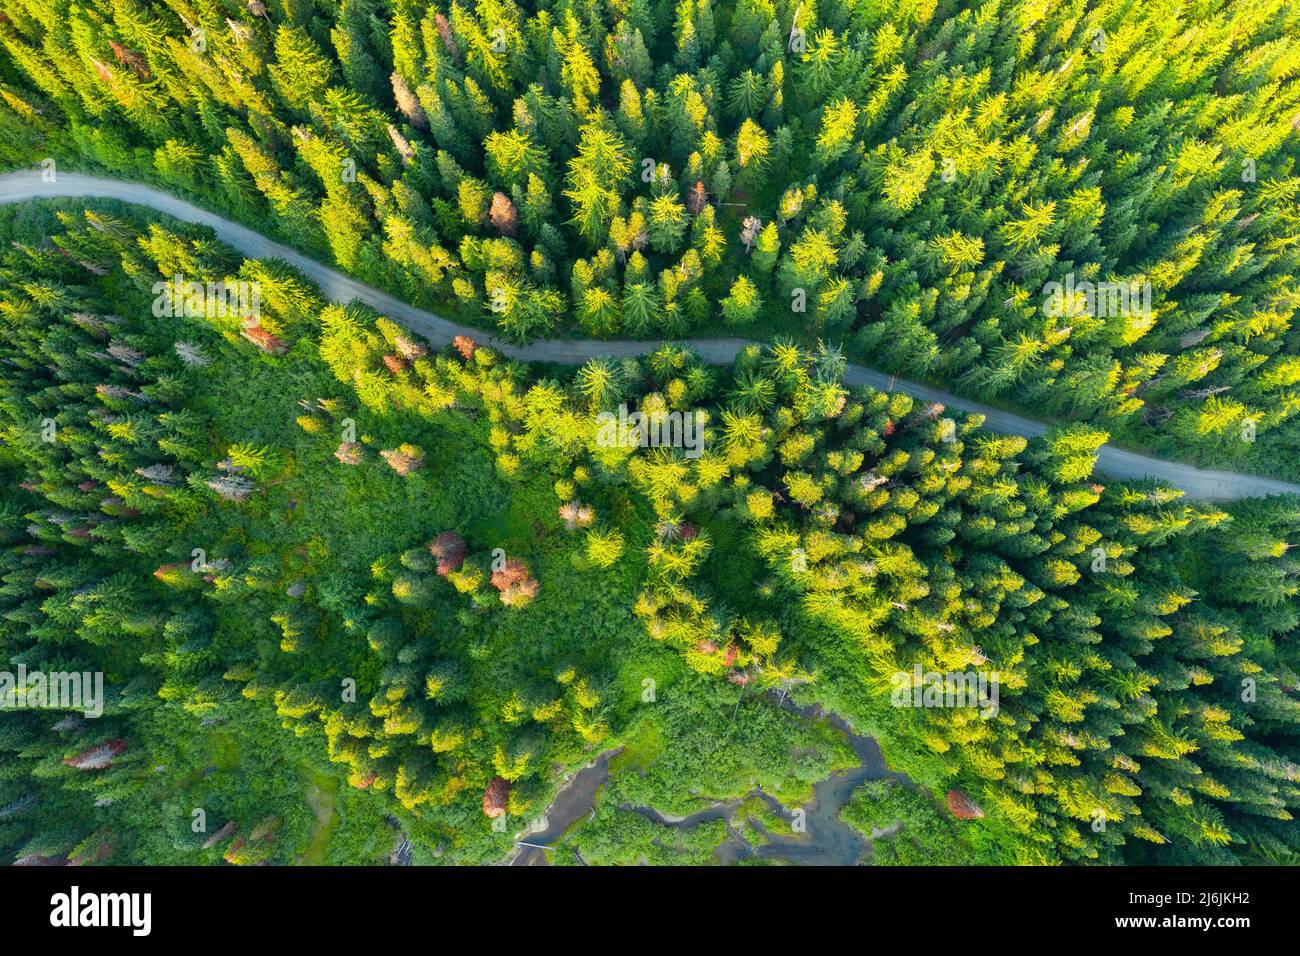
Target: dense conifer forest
[357,596]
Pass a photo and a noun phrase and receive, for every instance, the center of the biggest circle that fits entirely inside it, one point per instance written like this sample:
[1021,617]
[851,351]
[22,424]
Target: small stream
[575,800]
[827,840]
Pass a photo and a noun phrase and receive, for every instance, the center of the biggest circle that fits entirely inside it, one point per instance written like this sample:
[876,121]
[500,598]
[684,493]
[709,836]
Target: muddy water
[575,800]
[827,840]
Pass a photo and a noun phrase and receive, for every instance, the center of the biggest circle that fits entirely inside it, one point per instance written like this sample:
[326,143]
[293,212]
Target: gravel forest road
[1116,462]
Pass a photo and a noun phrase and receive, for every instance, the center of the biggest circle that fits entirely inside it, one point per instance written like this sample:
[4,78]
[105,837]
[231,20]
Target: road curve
[1117,462]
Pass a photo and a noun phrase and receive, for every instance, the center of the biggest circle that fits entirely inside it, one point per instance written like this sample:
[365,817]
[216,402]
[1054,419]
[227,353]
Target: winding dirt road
[1116,462]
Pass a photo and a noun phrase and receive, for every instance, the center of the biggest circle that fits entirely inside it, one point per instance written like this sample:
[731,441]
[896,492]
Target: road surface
[1116,462]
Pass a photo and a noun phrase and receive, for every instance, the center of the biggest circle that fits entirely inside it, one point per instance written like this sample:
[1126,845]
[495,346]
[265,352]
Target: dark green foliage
[912,180]
[823,542]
